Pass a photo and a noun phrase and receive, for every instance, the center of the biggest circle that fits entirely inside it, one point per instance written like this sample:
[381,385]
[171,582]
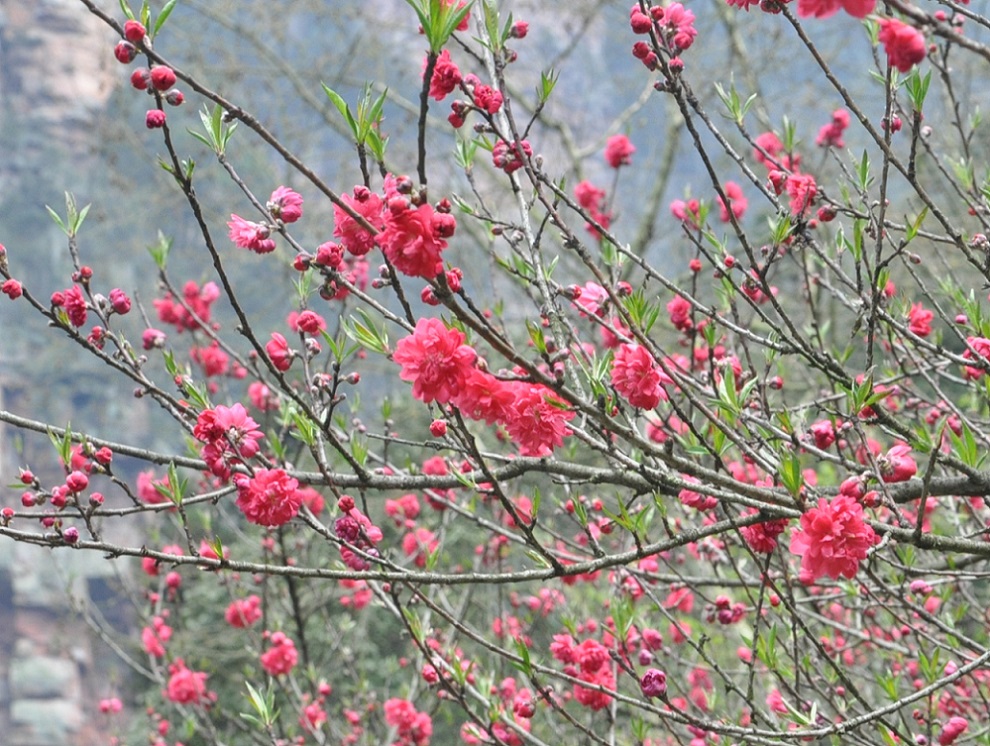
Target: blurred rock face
[55,70]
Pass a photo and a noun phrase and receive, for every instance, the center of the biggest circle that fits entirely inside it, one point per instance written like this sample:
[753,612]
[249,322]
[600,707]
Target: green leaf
[63,444]
[917,88]
[159,251]
[126,10]
[343,108]
[163,16]
[548,81]
[915,225]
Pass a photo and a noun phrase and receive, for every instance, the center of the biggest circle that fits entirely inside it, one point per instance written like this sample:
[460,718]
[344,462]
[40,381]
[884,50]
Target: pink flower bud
[12,289]
[120,302]
[154,119]
[438,428]
[653,683]
[125,52]
[141,78]
[134,31]
[162,77]
[70,535]
[175,97]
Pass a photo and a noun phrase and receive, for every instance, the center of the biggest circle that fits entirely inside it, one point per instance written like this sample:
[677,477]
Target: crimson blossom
[833,539]
[435,360]
[636,377]
[826,8]
[905,45]
[248,235]
[413,237]
[187,687]
[269,498]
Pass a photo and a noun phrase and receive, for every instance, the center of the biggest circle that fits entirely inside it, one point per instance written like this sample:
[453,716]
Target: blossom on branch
[833,539]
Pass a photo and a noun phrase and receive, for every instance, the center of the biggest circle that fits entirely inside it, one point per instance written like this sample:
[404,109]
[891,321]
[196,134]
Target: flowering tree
[717,483]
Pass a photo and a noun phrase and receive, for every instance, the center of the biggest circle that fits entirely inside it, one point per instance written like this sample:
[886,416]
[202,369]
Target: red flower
[243,612]
[134,31]
[801,188]
[414,728]
[920,320]
[511,158]
[833,539]
[248,235]
[952,730]
[435,360]
[75,305]
[618,151]
[762,537]
[826,8]
[982,347]
[12,289]
[737,202]
[154,119]
[285,205]
[413,238]
[636,377]
[279,352]
[186,687]
[537,419]
[896,465]
[269,498]
[281,657]
[446,76]
[905,45]
[356,239]
[830,135]
[484,397]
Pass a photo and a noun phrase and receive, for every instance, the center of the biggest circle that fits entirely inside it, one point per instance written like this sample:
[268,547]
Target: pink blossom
[826,8]
[248,235]
[897,465]
[801,188]
[353,237]
[154,637]
[213,360]
[905,45]
[952,730]
[737,202]
[446,76]
[920,320]
[186,687]
[830,135]
[636,377]
[12,289]
[415,728]
[281,657]
[982,347]
[762,537]
[119,301]
[618,151]
[484,397]
[285,205]
[679,310]
[413,237]
[269,498]
[487,98]
[680,22]
[511,158]
[537,419]
[653,683]
[279,352]
[75,305]
[243,612]
[833,539]
[435,360]
[146,488]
